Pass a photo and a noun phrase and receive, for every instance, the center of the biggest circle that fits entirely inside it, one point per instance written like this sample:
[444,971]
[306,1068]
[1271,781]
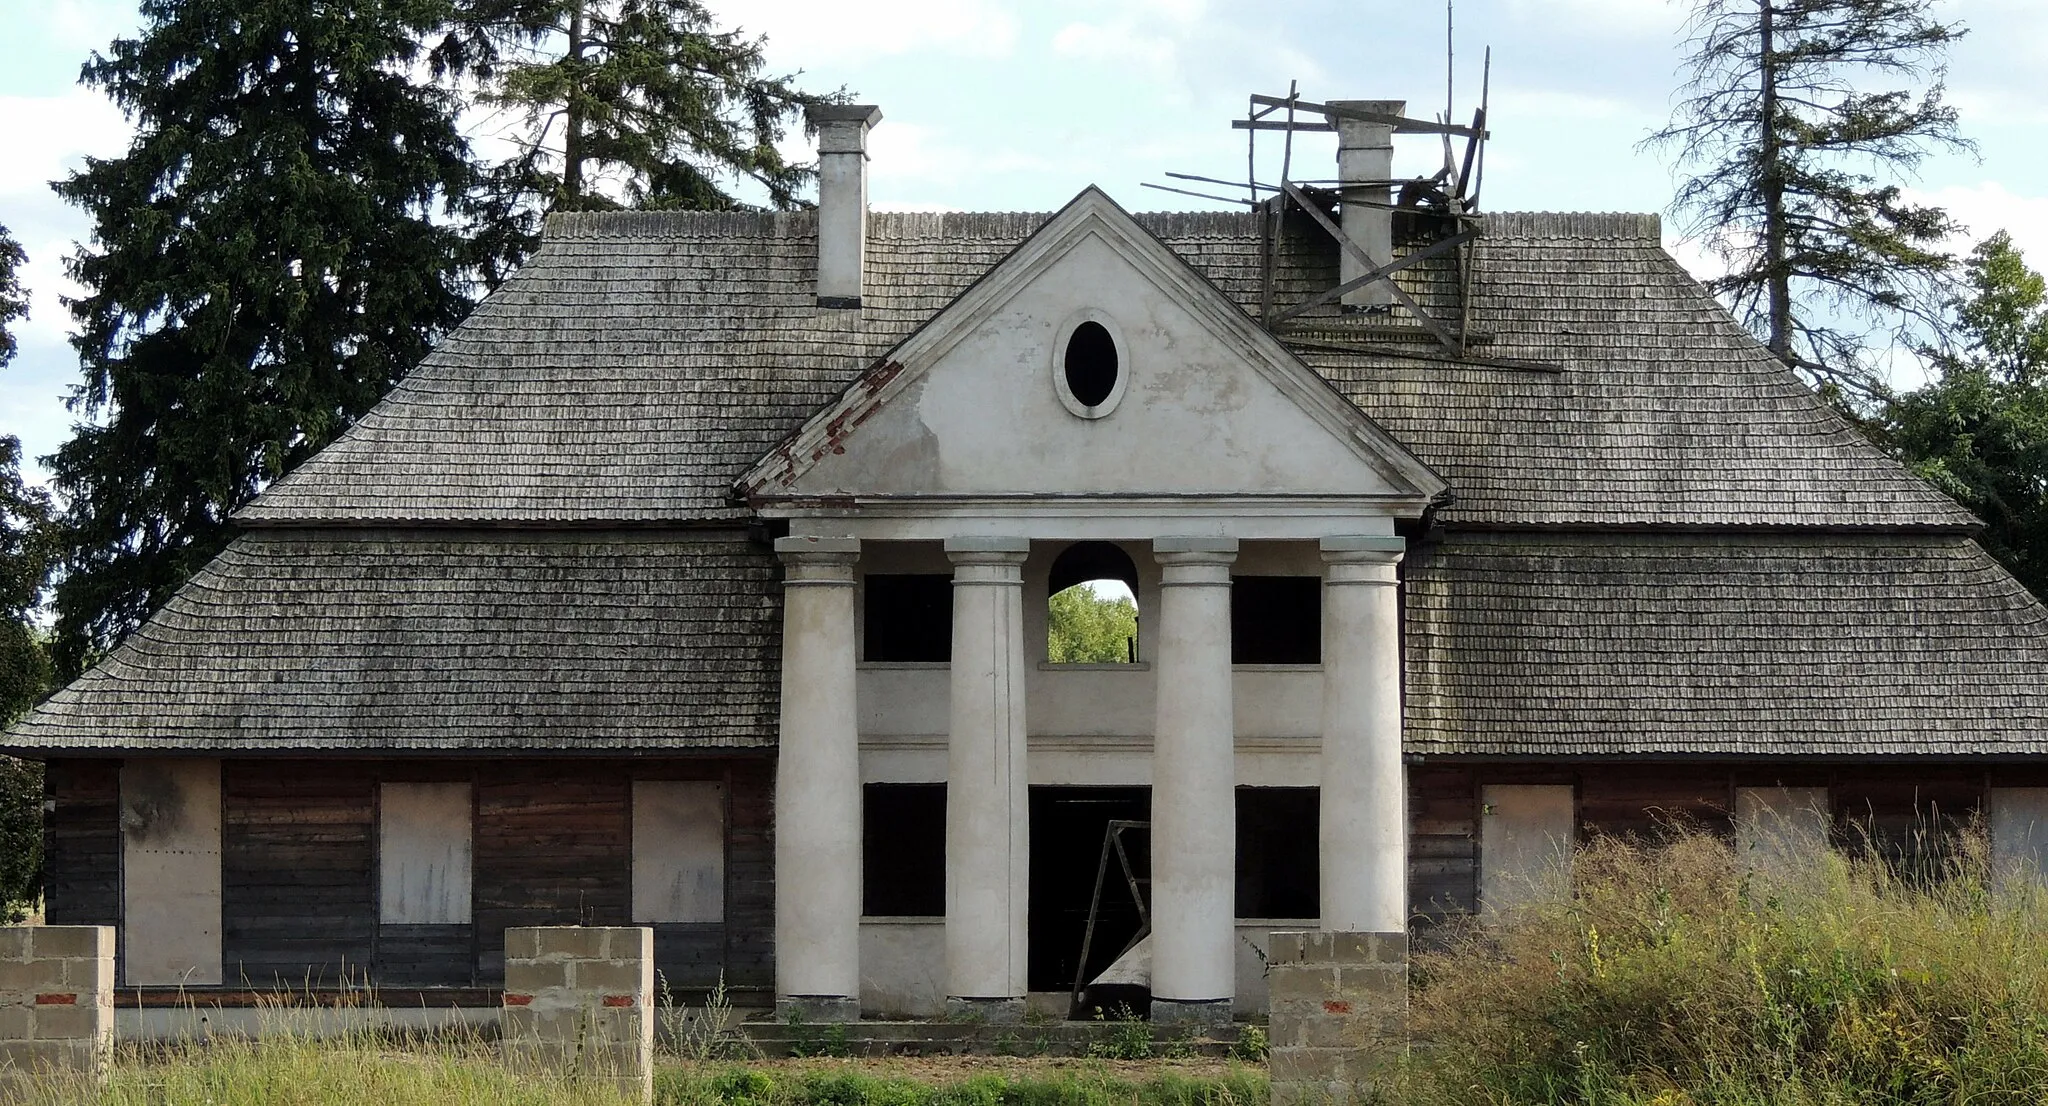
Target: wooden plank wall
[551,846]
[82,843]
[1893,807]
[298,873]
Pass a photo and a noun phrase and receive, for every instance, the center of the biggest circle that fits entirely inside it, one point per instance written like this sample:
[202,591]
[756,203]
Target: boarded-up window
[2019,834]
[171,872]
[1778,826]
[1525,840]
[678,851]
[423,853]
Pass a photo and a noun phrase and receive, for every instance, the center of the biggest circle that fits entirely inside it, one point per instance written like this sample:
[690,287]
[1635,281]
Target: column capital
[1362,559]
[980,550]
[817,560]
[1194,560]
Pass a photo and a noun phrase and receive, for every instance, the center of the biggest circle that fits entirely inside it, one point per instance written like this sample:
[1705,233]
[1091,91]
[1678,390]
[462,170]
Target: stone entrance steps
[923,1038]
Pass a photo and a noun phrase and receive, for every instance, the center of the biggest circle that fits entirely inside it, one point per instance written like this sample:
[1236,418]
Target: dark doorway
[1067,825]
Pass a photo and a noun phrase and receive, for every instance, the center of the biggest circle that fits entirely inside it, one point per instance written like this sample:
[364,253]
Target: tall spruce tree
[633,103]
[25,551]
[279,243]
[25,538]
[1979,430]
[1797,165]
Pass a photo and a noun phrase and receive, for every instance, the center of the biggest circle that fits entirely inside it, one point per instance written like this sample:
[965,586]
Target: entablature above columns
[1108,520]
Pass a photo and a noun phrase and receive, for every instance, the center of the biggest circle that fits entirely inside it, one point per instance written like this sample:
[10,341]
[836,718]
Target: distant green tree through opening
[1095,622]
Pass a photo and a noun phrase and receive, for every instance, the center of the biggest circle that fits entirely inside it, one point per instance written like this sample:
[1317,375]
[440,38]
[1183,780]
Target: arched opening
[1092,609]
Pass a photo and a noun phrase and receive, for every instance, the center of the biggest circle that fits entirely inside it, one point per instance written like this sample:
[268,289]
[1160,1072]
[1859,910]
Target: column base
[816,1008]
[987,1011]
[1208,1013]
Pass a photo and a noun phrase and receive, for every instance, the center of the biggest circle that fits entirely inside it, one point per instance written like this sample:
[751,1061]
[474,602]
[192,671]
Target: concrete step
[939,1038]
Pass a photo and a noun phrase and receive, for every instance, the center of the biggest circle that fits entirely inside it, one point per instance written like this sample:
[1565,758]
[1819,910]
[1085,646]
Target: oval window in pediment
[1088,366]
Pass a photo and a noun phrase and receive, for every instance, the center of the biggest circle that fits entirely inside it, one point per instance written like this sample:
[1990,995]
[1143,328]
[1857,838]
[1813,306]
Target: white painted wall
[1525,840]
[1781,826]
[2019,834]
[423,853]
[170,872]
[678,851]
[902,967]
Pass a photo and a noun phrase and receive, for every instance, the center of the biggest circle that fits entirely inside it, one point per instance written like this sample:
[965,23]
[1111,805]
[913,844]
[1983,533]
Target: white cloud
[823,32]
[1988,207]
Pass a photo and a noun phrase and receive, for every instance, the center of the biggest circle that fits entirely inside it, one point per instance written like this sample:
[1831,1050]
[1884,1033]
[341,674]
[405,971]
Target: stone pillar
[817,786]
[1194,787]
[842,199]
[988,826]
[579,1002]
[1363,837]
[1339,1011]
[56,998]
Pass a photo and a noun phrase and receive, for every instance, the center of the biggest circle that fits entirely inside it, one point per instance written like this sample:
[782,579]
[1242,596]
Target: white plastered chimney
[1365,170]
[842,199]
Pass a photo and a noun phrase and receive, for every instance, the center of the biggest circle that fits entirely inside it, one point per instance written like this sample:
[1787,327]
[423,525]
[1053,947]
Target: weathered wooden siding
[1899,808]
[298,878]
[82,842]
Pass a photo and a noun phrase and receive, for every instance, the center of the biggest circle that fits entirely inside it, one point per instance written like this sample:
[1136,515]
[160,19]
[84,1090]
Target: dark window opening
[1276,620]
[908,618]
[1092,611]
[1091,364]
[1278,873]
[903,849]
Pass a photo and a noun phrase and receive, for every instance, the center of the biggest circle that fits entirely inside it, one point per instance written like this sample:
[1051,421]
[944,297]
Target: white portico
[1091,391]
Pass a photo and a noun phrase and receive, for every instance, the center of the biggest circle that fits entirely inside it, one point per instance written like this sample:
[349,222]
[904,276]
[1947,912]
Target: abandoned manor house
[700,580]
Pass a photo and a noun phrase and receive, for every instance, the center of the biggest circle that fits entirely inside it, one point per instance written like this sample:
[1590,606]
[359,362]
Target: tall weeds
[1682,972]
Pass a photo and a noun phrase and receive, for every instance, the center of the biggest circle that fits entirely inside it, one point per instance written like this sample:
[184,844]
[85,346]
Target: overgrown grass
[293,1070]
[850,1086]
[1679,973]
[286,1069]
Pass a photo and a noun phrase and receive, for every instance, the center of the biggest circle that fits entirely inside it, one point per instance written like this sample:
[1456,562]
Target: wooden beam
[1265,125]
[1354,249]
[1436,249]
[1401,123]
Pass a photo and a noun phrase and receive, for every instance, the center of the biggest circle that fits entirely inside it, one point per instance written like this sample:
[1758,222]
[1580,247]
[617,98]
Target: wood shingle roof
[1661,543]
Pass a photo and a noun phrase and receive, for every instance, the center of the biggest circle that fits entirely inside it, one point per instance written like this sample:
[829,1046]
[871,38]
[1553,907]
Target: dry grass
[1679,974]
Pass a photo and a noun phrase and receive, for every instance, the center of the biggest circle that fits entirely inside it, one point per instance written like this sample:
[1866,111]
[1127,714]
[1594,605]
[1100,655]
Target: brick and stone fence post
[579,1001]
[1339,1010]
[56,998]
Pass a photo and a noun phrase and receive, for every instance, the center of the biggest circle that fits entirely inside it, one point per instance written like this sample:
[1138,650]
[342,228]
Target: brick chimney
[1365,165]
[842,199]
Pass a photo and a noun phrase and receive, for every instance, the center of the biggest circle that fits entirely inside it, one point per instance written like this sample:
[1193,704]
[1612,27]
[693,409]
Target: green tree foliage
[1796,169]
[25,552]
[1979,430]
[25,538]
[636,103]
[279,243]
[1085,628]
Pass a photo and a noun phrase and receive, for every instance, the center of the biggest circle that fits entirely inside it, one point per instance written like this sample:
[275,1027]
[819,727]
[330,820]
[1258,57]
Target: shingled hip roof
[1662,544]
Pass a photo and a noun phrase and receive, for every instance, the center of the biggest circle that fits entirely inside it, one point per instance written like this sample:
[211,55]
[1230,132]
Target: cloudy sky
[1016,105]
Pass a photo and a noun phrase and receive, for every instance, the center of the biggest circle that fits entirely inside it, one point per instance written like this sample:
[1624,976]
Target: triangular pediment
[1208,403]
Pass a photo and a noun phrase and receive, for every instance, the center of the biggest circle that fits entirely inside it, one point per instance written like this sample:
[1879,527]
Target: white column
[1194,785]
[988,826]
[817,785]
[1364,833]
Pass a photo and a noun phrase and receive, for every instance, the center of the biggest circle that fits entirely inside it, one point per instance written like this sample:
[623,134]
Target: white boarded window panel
[2019,834]
[423,853]
[678,851]
[170,872]
[1525,841]
[1778,826]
